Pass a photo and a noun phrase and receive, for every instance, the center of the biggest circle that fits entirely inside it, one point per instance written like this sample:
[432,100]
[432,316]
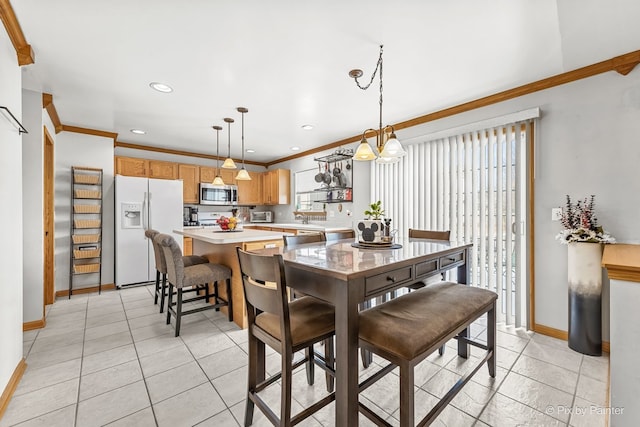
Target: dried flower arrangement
[580,223]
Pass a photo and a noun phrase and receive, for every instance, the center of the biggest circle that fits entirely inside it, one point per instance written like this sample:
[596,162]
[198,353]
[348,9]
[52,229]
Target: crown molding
[23,49]
[179,152]
[47,104]
[87,131]
[622,64]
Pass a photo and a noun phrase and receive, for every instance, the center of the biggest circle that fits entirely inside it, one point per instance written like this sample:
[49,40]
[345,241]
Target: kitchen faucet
[304,218]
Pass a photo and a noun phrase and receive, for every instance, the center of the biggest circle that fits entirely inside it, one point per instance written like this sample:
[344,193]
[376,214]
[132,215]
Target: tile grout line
[84,332]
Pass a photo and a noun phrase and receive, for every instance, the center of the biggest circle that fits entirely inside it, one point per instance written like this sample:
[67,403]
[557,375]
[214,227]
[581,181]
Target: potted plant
[584,238]
[370,229]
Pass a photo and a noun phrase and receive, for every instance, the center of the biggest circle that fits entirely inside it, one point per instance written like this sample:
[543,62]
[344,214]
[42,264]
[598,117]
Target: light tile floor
[110,359]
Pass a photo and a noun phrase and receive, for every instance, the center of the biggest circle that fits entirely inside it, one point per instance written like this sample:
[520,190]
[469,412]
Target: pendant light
[243,175]
[388,148]
[229,163]
[218,179]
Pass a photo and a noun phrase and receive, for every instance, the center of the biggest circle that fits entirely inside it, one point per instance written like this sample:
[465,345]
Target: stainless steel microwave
[226,195]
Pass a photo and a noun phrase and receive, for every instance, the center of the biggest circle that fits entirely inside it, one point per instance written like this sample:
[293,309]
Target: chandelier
[389,150]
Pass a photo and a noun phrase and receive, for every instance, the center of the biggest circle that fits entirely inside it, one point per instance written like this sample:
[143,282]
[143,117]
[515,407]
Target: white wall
[75,149]
[10,214]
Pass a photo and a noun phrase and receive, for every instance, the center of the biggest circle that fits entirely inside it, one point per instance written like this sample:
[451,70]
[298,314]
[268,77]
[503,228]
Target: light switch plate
[556,214]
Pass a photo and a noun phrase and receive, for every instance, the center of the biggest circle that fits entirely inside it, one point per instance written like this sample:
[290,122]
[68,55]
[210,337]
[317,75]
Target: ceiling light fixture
[243,175]
[161,87]
[389,148]
[138,131]
[218,179]
[250,150]
[228,162]
[296,148]
[307,127]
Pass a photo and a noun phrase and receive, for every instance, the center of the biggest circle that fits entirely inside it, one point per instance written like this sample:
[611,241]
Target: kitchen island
[220,247]
[296,228]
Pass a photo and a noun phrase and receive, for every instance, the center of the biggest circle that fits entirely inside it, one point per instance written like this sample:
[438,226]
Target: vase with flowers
[584,238]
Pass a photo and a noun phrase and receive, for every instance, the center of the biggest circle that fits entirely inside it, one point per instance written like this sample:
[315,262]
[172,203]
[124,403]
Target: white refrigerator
[140,204]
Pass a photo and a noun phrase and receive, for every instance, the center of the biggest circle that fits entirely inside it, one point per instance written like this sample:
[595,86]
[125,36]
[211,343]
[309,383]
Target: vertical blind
[475,185]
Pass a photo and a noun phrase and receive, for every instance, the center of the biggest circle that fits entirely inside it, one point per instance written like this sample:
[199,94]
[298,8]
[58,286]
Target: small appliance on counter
[261,216]
[190,216]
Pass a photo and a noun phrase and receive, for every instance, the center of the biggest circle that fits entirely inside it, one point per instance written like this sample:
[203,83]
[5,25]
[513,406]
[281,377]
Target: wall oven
[226,195]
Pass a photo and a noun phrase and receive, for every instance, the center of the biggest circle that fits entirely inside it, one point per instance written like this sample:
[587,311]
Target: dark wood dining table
[346,276]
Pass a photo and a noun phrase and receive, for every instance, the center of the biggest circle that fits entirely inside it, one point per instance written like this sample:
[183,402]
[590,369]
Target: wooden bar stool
[191,278]
[161,266]
[285,326]
[407,329]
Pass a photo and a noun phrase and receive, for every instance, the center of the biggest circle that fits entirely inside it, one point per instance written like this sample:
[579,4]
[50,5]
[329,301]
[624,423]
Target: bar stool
[161,266]
[407,329]
[301,239]
[191,278]
[287,327]
[339,235]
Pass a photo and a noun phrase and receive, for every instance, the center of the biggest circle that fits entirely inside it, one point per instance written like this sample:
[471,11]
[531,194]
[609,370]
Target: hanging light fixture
[389,149]
[243,175]
[228,162]
[218,179]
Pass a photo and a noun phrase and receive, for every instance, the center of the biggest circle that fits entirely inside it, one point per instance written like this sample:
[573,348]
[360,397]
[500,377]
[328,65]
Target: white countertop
[298,226]
[225,237]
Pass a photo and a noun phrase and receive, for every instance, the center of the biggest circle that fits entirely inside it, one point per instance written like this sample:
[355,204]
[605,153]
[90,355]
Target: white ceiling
[288,62]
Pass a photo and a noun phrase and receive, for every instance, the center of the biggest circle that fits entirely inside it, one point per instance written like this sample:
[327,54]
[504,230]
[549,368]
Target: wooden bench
[408,329]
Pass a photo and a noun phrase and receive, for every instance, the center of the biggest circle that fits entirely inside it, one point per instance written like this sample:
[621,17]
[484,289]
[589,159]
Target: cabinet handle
[452,258]
[391,278]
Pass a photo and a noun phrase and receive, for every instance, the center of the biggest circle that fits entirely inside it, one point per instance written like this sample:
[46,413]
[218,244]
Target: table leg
[347,354]
[464,276]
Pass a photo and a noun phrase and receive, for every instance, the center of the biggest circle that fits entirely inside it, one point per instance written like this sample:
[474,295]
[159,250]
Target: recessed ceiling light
[138,131]
[296,148]
[307,127]
[250,150]
[161,87]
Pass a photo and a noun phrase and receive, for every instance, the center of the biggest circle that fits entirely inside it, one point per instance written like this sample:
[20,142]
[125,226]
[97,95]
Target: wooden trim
[622,64]
[11,386]
[35,324]
[532,225]
[180,152]
[48,188]
[47,104]
[88,290]
[622,262]
[87,131]
[563,335]
[14,31]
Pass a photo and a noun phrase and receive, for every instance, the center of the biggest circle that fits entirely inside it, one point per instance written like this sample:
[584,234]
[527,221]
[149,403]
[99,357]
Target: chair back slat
[303,238]
[161,265]
[339,235]
[173,259]
[429,234]
[256,270]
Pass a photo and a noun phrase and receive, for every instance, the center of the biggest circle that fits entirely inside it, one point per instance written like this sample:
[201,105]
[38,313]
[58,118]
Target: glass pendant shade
[243,175]
[364,152]
[392,148]
[218,181]
[229,164]
[387,160]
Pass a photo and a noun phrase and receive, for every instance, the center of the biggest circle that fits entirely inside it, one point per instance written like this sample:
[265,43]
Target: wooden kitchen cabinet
[252,246]
[276,187]
[130,166]
[207,174]
[187,246]
[163,170]
[250,192]
[189,174]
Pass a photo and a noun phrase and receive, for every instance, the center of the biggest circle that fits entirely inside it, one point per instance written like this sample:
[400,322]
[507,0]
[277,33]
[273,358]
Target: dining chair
[339,235]
[197,277]
[161,266]
[431,235]
[287,327]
